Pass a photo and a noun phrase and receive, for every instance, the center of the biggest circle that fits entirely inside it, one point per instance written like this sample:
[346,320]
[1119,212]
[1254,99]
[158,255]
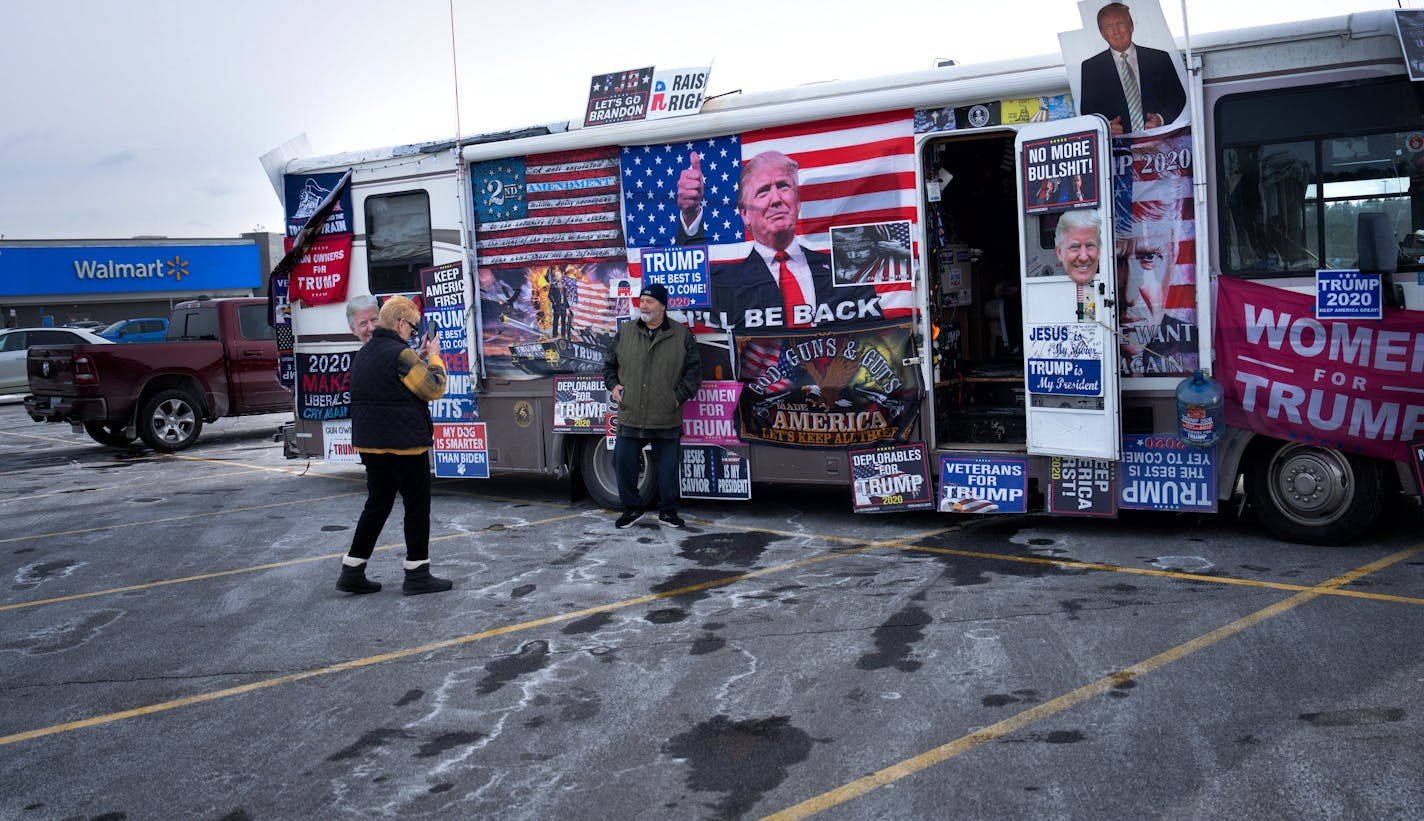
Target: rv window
[1297,166]
[398,242]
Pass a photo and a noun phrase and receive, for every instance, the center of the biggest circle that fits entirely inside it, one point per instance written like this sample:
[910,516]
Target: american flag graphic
[650,175]
[974,506]
[854,170]
[760,355]
[548,207]
[1160,205]
[593,309]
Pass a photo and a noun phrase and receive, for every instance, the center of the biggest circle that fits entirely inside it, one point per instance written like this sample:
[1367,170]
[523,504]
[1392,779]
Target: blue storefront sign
[101,269]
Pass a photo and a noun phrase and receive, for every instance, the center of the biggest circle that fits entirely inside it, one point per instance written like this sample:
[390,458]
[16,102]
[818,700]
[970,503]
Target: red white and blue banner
[1354,385]
[850,171]
[461,451]
[1154,223]
[580,404]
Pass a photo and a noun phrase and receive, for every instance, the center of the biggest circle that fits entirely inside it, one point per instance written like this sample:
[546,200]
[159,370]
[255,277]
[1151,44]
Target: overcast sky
[148,117]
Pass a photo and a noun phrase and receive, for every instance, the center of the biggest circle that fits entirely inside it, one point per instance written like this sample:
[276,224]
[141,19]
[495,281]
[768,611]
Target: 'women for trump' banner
[1354,385]
[827,388]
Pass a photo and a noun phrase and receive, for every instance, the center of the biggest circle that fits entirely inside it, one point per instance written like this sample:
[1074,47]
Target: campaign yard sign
[983,484]
[461,451]
[1065,360]
[710,417]
[891,477]
[1081,487]
[1348,294]
[712,472]
[1160,472]
[683,271]
[619,97]
[443,300]
[336,440]
[324,385]
[580,404]
[1060,172]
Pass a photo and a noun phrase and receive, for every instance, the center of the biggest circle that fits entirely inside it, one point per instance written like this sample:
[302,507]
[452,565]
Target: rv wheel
[596,467]
[1314,495]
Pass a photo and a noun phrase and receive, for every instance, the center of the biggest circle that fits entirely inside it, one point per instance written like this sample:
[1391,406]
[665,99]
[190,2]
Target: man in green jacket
[650,369]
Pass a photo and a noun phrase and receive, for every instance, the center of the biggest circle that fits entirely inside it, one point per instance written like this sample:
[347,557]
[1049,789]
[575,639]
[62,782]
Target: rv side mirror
[1378,252]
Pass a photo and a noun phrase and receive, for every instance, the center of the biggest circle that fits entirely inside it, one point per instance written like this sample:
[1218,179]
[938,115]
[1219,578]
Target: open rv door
[1069,295]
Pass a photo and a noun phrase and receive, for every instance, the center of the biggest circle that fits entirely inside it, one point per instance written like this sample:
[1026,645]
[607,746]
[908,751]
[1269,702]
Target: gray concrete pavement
[171,646]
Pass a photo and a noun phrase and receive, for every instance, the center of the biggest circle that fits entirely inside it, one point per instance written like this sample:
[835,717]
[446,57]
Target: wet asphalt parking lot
[172,646]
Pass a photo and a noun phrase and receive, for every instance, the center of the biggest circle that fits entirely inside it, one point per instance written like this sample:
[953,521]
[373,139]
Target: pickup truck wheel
[169,421]
[1314,495]
[601,481]
[106,434]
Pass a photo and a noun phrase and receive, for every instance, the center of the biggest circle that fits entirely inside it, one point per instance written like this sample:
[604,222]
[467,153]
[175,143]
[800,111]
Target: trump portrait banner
[827,389]
[1353,385]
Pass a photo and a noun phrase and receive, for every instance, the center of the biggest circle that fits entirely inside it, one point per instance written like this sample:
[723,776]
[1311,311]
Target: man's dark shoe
[419,581]
[670,517]
[353,580]
[628,517]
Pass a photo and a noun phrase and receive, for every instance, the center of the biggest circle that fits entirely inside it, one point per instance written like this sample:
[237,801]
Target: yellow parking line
[368,661]
[1170,574]
[893,773]
[147,484]
[184,517]
[216,574]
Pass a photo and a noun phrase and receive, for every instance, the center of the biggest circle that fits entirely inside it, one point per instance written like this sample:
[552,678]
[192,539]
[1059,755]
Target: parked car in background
[86,324]
[15,342]
[220,359]
[150,329]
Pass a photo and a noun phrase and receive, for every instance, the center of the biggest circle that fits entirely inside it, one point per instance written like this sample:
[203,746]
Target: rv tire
[1313,495]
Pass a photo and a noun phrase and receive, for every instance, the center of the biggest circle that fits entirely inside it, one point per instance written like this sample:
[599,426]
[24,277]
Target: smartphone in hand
[432,329]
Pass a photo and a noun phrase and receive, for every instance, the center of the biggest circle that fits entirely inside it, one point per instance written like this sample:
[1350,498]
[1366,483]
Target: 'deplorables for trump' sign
[813,388]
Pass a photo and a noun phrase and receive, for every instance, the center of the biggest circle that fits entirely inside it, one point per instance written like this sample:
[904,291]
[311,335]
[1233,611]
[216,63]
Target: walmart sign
[93,269]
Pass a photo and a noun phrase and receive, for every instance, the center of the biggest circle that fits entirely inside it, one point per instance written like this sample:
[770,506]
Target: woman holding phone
[391,385]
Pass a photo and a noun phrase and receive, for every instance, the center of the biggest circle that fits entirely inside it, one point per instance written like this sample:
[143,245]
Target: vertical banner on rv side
[443,302]
[1156,253]
[1070,342]
[549,251]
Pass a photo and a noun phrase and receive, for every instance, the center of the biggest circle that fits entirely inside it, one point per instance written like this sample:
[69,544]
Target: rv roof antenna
[942,62]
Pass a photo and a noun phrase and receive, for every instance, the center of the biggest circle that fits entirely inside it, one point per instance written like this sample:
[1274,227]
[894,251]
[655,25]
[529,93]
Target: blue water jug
[1199,401]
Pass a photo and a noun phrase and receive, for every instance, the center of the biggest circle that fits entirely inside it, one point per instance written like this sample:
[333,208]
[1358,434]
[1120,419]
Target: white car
[16,342]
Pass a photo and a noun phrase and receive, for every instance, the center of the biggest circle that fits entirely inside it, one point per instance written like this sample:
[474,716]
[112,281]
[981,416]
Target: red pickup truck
[220,359]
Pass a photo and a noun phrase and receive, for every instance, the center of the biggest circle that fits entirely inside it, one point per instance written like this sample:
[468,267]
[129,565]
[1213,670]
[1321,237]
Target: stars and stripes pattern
[759,356]
[593,309]
[853,170]
[885,268]
[650,174]
[548,207]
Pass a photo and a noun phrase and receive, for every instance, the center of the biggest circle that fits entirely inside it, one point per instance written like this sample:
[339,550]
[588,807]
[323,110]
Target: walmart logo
[177,267]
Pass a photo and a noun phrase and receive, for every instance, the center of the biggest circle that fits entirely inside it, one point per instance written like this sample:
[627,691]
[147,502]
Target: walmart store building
[58,282]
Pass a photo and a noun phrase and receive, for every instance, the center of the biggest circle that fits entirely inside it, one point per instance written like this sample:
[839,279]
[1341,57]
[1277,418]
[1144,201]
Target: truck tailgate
[51,369]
